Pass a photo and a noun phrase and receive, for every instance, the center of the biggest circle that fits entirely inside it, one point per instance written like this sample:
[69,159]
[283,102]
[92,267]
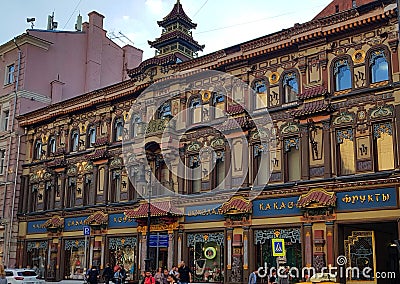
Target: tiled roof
[237,203]
[312,108]
[174,35]
[177,13]
[235,123]
[98,154]
[313,92]
[234,109]
[320,196]
[162,208]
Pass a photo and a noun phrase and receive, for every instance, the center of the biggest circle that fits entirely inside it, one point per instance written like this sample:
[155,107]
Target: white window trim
[6,75]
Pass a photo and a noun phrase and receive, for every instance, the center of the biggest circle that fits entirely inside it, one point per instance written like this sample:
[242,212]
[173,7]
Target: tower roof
[177,15]
[176,36]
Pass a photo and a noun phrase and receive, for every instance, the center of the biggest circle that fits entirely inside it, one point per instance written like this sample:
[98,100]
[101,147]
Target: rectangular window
[384,155]
[9,74]
[5,119]
[293,158]
[2,161]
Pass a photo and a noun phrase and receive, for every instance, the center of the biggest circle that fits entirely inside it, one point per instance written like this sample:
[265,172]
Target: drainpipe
[9,227]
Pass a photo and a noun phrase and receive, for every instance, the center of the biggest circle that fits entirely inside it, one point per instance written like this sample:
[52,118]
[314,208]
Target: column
[308,244]
[229,236]
[327,149]
[106,179]
[143,250]
[25,193]
[59,272]
[228,174]
[246,254]
[93,186]
[103,257]
[330,258]
[53,191]
[180,240]
[62,190]
[305,156]
[171,246]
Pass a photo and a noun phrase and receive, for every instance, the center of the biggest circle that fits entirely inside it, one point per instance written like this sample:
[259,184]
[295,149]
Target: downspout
[10,225]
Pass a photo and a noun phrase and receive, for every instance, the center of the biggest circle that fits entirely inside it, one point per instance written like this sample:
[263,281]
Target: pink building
[41,67]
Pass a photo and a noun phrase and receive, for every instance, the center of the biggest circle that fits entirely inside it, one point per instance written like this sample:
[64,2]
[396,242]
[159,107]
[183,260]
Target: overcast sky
[220,23]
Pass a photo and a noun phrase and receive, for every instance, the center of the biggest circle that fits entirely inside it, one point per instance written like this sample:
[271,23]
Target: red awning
[163,208]
[319,196]
[237,203]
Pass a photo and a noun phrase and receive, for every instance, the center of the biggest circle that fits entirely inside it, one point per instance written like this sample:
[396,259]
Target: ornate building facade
[327,184]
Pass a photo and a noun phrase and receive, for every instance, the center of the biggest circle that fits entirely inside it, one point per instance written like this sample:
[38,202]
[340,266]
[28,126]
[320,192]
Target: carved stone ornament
[72,170]
[381,111]
[218,143]
[194,147]
[290,128]
[54,223]
[116,163]
[343,118]
[97,219]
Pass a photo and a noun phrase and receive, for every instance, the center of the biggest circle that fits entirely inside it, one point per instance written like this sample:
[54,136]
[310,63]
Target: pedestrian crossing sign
[278,247]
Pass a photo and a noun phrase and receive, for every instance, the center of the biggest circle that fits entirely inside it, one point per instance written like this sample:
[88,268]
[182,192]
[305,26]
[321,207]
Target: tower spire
[176,37]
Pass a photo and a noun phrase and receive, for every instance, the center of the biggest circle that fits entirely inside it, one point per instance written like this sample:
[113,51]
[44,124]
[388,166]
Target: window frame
[215,101]
[50,145]
[253,87]
[286,157]
[74,147]
[37,155]
[2,161]
[5,119]
[369,65]
[192,100]
[338,153]
[9,74]
[350,64]
[89,143]
[162,113]
[375,157]
[283,83]
[118,120]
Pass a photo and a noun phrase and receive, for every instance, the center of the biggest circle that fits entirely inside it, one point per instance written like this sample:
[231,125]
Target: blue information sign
[160,241]
[86,230]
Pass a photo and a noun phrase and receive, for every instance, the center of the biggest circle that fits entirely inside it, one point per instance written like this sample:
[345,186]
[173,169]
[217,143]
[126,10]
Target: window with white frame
[5,120]
[9,79]
[2,161]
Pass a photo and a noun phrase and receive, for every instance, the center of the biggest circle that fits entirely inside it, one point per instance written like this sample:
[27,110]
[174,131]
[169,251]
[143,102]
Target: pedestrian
[107,274]
[149,279]
[283,277]
[141,277]
[93,275]
[165,276]
[118,276]
[158,276]
[253,277]
[3,279]
[171,279]
[272,277]
[174,272]
[123,273]
[185,274]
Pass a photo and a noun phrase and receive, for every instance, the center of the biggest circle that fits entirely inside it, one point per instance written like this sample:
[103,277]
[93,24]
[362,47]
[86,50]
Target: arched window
[74,141]
[260,88]
[219,105]
[51,147]
[383,144]
[135,127]
[118,129]
[345,150]
[219,169]
[293,158]
[290,87]
[165,111]
[91,136]
[379,67]
[37,154]
[342,74]
[195,176]
[196,109]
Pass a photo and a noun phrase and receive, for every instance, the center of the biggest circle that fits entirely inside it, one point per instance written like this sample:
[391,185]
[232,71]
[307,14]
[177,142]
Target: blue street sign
[278,247]
[86,230]
[160,241]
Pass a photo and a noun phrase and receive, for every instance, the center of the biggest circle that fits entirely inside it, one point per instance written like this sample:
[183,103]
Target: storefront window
[74,259]
[206,256]
[263,241]
[122,251]
[37,253]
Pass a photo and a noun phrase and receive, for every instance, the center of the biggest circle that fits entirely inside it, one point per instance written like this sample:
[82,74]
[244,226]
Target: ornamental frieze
[97,219]
[54,223]
[381,111]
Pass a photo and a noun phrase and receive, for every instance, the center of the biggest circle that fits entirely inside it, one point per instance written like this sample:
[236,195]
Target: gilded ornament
[358,56]
[274,78]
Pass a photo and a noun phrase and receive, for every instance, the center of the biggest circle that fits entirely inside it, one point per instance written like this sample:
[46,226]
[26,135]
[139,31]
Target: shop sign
[158,241]
[204,213]
[74,223]
[36,227]
[278,247]
[119,220]
[381,198]
[276,207]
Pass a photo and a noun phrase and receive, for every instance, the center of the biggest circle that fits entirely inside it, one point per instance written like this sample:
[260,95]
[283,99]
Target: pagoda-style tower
[176,37]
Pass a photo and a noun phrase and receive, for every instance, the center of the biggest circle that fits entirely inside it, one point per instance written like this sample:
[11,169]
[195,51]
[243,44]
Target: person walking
[107,274]
[149,279]
[283,278]
[253,277]
[165,276]
[3,279]
[118,276]
[93,275]
[185,274]
[158,276]
[123,273]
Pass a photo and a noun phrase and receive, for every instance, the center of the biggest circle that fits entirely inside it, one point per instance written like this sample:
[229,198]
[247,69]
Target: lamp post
[148,260]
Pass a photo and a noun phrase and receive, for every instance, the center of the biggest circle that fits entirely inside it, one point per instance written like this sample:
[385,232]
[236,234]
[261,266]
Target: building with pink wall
[41,67]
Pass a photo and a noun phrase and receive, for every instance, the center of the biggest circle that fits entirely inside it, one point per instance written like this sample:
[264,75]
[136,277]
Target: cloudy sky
[220,23]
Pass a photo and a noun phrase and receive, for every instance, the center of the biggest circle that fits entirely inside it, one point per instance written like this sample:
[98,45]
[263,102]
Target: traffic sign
[86,230]
[160,241]
[278,247]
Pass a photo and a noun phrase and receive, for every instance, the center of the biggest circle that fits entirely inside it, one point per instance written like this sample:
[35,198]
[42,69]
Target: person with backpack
[118,276]
[149,279]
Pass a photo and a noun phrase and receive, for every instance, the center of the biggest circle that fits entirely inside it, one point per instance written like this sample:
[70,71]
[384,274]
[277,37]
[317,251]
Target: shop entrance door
[159,251]
[361,257]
